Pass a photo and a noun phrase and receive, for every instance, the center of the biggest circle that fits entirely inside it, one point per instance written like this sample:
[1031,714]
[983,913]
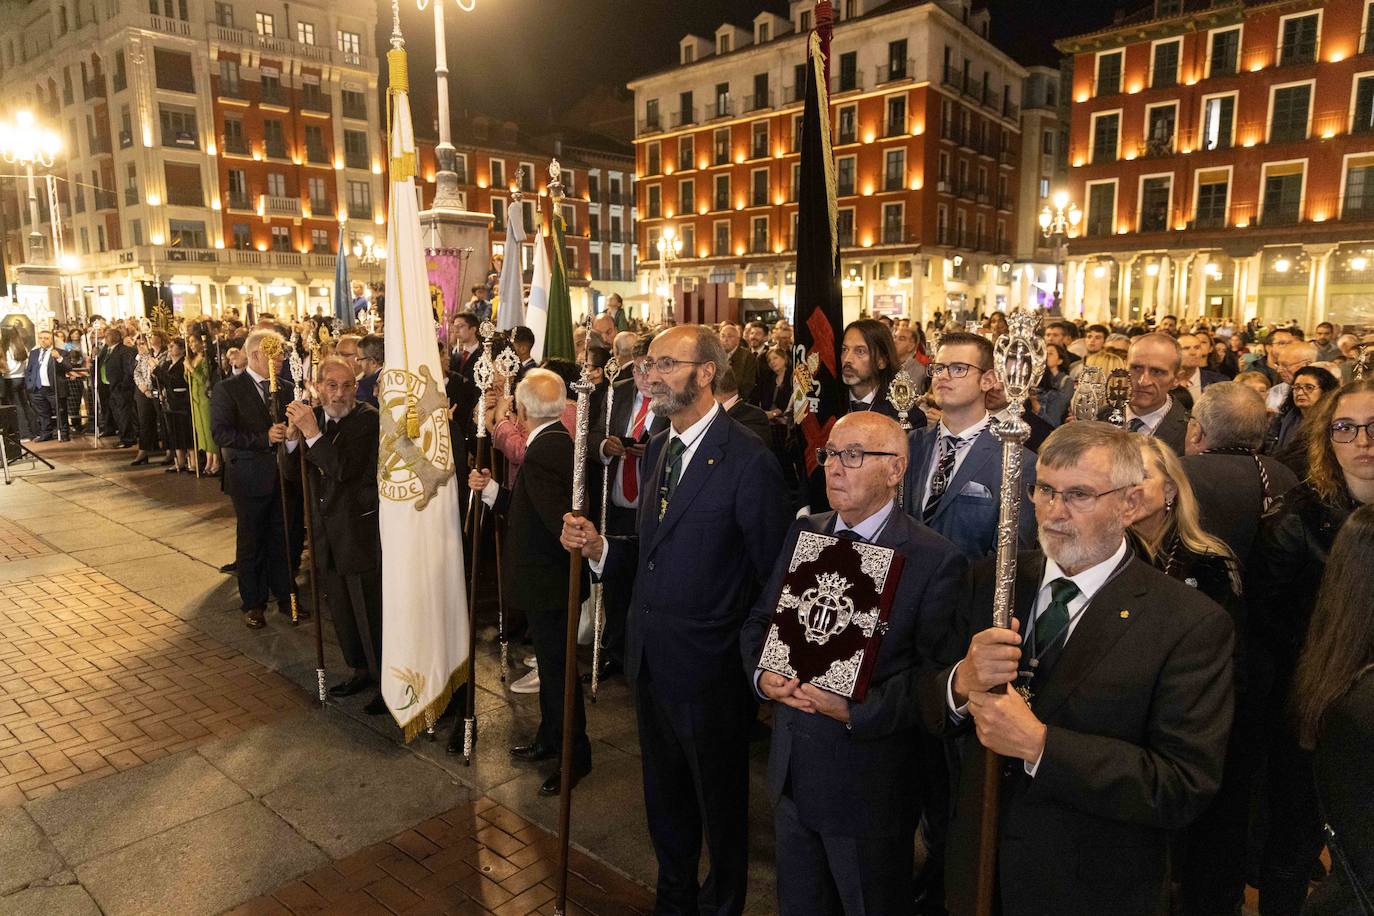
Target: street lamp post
[446,181]
[669,249]
[26,144]
[1055,224]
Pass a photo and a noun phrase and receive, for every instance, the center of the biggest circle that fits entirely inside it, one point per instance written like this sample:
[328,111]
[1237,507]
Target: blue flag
[343,294]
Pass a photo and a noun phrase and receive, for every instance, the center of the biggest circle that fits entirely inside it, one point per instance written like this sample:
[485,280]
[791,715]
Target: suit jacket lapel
[1113,609]
[980,453]
[703,464]
[254,392]
[919,470]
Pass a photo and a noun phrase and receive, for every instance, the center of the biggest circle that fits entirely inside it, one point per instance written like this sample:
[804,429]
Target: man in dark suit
[741,411]
[41,377]
[741,359]
[633,421]
[1233,484]
[535,564]
[954,481]
[868,357]
[846,779]
[1193,374]
[711,521]
[461,389]
[1154,361]
[340,442]
[1129,675]
[119,373]
[248,426]
[371,360]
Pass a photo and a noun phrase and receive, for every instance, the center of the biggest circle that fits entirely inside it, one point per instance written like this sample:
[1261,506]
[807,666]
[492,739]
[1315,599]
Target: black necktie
[856,405]
[265,387]
[1137,425]
[331,426]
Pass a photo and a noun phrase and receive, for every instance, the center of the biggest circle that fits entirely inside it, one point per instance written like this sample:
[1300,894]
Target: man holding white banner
[424,654]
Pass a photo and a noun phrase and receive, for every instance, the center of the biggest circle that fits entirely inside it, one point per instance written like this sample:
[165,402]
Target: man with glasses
[846,779]
[340,442]
[1154,362]
[620,447]
[1115,733]
[711,520]
[955,479]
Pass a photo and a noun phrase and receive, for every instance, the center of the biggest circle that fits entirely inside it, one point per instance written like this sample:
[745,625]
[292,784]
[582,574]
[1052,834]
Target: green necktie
[1054,619]
[676,448]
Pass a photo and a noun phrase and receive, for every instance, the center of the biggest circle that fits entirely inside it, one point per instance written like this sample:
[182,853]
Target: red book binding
[831,613]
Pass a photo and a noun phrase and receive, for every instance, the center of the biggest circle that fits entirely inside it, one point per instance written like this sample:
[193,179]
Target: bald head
[858,493]
[873,430]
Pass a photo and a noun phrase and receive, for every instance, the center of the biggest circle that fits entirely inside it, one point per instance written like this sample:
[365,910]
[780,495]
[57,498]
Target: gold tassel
[412,422]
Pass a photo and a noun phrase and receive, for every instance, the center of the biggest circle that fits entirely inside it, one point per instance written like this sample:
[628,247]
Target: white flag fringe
[425,615]
[537,311]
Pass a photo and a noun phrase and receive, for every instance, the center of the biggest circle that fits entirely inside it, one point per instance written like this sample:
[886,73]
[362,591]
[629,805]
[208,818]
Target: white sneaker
[530,661]
[527,684]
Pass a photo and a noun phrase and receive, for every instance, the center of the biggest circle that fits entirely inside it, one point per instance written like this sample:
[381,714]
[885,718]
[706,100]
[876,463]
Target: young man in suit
[248,425]
[954,482]
[340,442]
[1129,676]
[711,520]
[41,376]
[846,779]
[535,564]
[1154,361]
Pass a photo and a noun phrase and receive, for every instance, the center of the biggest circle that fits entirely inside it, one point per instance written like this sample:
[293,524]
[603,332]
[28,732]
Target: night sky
[529,59]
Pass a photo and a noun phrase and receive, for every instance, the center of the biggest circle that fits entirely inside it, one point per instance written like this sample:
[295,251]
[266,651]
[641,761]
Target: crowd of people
[1193,629]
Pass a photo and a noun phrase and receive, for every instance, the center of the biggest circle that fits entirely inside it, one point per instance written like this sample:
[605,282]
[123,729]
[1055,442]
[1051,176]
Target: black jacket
[858,781]
[1284,573]
[753,419]
[343,489]
[1344,749]
[171,381]
[1230,495]
[119,367]
[535,565]
[1138,707]
[239,421]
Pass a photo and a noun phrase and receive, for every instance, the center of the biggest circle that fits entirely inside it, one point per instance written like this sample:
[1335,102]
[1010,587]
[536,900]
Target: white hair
[542,394]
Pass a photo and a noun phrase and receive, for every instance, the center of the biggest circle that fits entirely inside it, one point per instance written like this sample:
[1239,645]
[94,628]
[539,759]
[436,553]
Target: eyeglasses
[852,457]
[1345,432]
[955,370]
[1307,389]
[1076,499]
[665,365]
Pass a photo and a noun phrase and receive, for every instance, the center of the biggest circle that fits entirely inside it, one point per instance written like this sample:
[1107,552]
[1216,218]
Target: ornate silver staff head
[1090,394]
[508,366]
[901,394]
[1019,358]
[556,182]
[611,370]
[483,375]
[1118,395]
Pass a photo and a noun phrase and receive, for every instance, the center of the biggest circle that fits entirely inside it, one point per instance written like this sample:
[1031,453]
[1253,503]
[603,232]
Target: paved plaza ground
[156,756]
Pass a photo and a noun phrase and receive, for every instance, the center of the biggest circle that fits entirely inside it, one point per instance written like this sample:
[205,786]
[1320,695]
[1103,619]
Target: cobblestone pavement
[158,757]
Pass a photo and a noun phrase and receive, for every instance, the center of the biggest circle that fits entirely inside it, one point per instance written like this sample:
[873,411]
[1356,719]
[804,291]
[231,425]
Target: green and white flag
[424,605]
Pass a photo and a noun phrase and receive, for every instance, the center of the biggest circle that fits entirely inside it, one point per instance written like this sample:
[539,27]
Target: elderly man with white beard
[1114,734]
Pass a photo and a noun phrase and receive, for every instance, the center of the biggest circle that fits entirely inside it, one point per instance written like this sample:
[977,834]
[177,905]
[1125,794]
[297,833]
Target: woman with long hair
[201,376]
[14,363]
[1310,385]
[1167,532]
[1333,711]
[176,403]
[1290,555]
[1055,388]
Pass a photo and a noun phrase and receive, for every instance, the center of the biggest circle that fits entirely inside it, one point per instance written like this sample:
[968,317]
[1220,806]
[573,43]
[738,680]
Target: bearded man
[1128,674]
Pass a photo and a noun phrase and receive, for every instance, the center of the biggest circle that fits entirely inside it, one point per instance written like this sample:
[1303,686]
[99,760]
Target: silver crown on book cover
[824,610]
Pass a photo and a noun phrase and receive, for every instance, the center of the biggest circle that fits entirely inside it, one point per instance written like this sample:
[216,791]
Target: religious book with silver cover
[831,613]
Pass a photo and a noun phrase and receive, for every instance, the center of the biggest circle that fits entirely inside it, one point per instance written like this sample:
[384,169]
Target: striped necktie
[949,446]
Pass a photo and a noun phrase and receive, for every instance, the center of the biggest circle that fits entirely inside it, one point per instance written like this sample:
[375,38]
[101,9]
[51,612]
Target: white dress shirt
[1089,582]
[1151,419]
[310,442]
[45,369]
[691,438]
[968,435]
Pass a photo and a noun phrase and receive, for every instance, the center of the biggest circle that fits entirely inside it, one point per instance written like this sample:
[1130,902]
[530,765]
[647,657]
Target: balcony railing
[894,70]
[758,102]
[237,146]
[272,95]
[355,111]
[106,200]
[683,117]
[239,202]
[899,234]
[169,26]
[184,139]
[315,102]
[359,211]
[846,82]
[95,89]
[650,125]
[314,153]
[723,108]
[355,159]
[284,206]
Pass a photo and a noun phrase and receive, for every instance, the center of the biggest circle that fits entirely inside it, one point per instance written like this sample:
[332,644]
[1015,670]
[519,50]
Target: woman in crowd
[1168,534]
[1287,564]
[176,404]
[1310,385]
[1055,390]
[145,402]
[1333,708]
[773,392]
[14,362]
[201,376]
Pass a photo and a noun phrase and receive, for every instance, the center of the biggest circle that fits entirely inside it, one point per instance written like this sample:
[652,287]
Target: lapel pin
[1125,615]
[710,461]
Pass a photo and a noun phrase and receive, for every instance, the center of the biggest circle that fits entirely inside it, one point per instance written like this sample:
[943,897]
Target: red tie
[629,483]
